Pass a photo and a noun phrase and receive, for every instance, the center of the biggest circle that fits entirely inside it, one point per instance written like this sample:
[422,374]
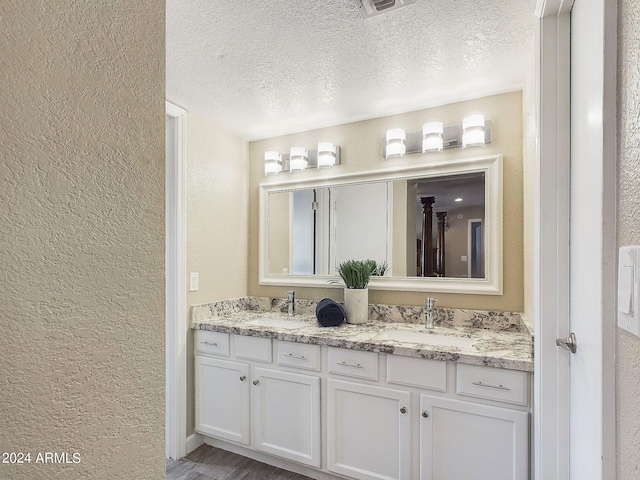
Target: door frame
[470,249]
[551,240]
[176,289]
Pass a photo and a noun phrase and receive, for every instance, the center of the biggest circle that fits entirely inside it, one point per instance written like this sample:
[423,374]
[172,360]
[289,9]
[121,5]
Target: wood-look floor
[209,463]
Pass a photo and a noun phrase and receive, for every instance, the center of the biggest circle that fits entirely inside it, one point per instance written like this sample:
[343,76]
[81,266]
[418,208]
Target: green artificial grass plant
[357,273]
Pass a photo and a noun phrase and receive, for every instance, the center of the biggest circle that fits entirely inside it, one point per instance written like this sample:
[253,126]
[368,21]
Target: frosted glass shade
[432,137]
[272,162]
[396,140]
[473,130]
[326,154]
[298,159]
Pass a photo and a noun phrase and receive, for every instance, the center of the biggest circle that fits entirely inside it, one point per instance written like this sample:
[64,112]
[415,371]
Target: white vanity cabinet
[368,431]
[246,400]
[364,415]
[461,440]
[287,415]
[465,440]
[222,399]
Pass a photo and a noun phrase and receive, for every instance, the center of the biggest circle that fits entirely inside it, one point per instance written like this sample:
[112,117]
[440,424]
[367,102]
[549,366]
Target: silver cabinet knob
[425,414]
[403,410]
[243,378]
[255,382]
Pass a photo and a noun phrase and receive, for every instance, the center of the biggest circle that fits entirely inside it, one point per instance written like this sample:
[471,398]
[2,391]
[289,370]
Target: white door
[368,431]
[592,227]
[287,415]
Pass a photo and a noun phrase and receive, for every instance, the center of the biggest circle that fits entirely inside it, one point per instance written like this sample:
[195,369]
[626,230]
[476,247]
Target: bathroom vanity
[384,400]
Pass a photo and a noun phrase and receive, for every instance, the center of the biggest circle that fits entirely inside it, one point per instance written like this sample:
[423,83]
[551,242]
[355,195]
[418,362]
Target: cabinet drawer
[353,363]
[252,348]
[299,355]
[508,386]
[215,343]
[417,372]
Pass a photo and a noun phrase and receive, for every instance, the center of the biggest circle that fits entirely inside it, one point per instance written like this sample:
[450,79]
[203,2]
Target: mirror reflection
[450,214]
[422,227]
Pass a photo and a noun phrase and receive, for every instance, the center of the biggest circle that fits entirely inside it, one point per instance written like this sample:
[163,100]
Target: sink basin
[275,323]
[428,338]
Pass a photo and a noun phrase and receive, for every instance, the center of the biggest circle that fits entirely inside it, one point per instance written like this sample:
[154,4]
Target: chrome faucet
[429,307]
[291,302]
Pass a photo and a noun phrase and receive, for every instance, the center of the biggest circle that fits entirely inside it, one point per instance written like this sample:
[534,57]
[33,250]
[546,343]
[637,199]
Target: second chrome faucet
[429,307]
[291,302]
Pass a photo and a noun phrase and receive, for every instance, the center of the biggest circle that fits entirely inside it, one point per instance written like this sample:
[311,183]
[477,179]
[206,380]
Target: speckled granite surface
[498,339]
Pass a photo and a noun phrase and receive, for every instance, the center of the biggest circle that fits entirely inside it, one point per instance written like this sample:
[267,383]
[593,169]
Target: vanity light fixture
[326,154]
[473,130]
[371,8]
[457,199]
[272,162]
[396,143]
[432,140]
[299,158]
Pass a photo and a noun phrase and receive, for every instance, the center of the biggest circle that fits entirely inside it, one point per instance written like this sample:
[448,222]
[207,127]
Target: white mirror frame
[491,165]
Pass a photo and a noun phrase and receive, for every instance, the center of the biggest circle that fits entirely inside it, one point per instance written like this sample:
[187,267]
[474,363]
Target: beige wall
[217,206]
[82,214]
[529,143]
[628,346]
[400,220]
[361,144]
[279,232]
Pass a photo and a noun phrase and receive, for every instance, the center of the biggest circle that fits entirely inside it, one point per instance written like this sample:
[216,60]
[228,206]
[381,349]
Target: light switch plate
[628,289]
[194,278]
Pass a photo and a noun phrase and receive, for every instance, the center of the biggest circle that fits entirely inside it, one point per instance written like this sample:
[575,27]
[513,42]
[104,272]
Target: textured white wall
[628,346]
[82,237]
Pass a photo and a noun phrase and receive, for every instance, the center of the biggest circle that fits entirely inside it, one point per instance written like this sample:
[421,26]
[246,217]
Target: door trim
[551,240]
[176,289]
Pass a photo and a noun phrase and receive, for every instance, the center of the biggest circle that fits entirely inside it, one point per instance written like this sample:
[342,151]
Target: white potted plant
[356,275]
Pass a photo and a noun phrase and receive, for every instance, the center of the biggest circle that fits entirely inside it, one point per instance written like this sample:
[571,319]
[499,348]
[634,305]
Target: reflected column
[440,261]
[426,255]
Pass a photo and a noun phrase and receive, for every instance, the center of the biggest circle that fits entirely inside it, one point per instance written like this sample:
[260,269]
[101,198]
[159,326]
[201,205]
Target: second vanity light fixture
[299,159]
[435,137]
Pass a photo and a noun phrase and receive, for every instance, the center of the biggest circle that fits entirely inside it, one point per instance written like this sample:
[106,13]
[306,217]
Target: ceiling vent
[371,8]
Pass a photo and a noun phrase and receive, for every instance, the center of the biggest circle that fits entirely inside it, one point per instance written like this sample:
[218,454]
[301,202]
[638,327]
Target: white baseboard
[194,441]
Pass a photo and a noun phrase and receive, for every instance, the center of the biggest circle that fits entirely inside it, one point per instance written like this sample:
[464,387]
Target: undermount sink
[275,323]
[428,338]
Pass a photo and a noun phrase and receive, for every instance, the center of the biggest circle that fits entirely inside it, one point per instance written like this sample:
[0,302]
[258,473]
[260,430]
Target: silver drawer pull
[299,357]
[212,344]
[345,364]
[489,385]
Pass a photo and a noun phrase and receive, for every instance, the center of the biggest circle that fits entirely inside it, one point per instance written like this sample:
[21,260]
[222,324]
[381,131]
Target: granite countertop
[511,350]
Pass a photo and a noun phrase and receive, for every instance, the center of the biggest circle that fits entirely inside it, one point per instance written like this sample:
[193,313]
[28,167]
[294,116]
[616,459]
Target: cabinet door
[368,431]
[222,399]
[467,441]
[287,415]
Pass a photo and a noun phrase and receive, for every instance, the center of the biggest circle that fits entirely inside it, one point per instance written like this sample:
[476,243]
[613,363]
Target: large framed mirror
[438,227]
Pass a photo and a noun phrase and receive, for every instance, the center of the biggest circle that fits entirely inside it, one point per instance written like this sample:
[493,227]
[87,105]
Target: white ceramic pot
[356,305]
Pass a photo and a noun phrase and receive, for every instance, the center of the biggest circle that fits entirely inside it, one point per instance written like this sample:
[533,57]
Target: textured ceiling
[261,68]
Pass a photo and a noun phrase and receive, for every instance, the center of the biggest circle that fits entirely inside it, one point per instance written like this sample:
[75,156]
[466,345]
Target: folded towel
[330,313]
